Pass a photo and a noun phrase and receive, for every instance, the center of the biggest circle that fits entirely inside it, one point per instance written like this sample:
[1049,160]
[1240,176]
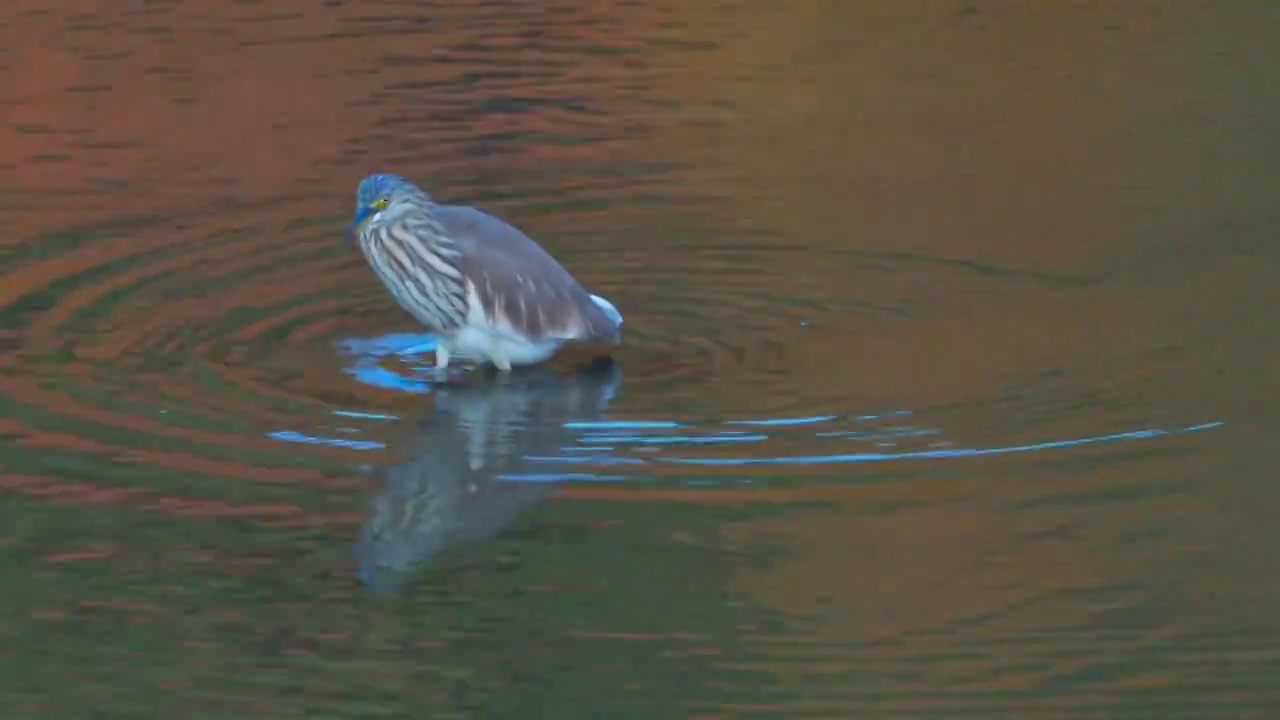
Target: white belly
[480,344]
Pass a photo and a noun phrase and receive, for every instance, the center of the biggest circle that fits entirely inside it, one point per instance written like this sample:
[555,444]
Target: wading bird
[486,289]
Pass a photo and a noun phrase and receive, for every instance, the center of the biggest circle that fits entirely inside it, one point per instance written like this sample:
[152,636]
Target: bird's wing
[520,286]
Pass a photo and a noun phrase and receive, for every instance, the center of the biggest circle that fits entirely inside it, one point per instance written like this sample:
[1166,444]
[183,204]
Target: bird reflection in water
[455,484]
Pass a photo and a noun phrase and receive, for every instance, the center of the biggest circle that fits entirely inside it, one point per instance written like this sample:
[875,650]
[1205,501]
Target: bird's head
[375,194]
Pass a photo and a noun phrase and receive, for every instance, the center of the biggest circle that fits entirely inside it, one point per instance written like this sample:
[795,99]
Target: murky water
[948,388]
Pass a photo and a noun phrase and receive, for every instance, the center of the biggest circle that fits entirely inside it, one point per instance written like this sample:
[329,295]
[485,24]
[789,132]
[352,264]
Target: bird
[485,288]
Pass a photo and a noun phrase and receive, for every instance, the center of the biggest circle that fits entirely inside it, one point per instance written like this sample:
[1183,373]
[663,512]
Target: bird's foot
[442,376]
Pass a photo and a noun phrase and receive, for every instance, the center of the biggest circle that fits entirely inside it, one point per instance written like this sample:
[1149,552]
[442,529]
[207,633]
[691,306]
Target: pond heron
[487,290]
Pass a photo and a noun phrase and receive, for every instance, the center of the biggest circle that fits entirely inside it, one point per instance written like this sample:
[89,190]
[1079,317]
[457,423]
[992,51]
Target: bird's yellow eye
[379,204]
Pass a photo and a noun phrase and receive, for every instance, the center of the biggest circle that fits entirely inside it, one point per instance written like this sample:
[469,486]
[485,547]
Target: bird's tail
[611,312]
[608,308]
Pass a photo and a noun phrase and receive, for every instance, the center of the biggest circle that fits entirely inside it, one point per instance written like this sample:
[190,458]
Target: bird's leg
[502,363]
[442,356]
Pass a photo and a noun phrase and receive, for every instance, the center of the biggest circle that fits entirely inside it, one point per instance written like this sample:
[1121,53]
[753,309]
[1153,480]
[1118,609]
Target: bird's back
[519,281]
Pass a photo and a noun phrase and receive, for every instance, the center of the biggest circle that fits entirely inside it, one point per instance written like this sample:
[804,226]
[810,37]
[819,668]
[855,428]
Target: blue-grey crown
[378,185]
[381,185]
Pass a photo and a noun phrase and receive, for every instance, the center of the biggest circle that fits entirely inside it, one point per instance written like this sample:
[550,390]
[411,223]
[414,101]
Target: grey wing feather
[518,282]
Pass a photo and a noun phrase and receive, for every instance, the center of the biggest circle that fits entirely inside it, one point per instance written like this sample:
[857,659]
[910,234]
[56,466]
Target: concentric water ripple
[181,334]
[242,345]
[694,452]
[218,336]
[166,336]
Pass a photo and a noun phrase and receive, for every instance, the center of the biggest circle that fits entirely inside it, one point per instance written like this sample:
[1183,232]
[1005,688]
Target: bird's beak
[353,230]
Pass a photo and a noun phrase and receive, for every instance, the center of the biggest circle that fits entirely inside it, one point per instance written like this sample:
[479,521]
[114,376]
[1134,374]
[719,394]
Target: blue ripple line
[672,440]
[378,376]
[584,460]
[623,425]
[297,437]
[365,415]
[927,454]
[785,422]
[560,477]
[392,344]
[891,434]
[895,413]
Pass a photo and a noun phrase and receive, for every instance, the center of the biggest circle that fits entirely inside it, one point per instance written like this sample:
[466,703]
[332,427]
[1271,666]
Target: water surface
[948,386]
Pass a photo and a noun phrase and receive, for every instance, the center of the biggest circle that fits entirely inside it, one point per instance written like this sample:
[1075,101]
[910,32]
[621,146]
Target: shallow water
[948,387]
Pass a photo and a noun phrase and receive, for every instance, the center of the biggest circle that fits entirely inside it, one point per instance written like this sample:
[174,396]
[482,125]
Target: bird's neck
[415,216]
